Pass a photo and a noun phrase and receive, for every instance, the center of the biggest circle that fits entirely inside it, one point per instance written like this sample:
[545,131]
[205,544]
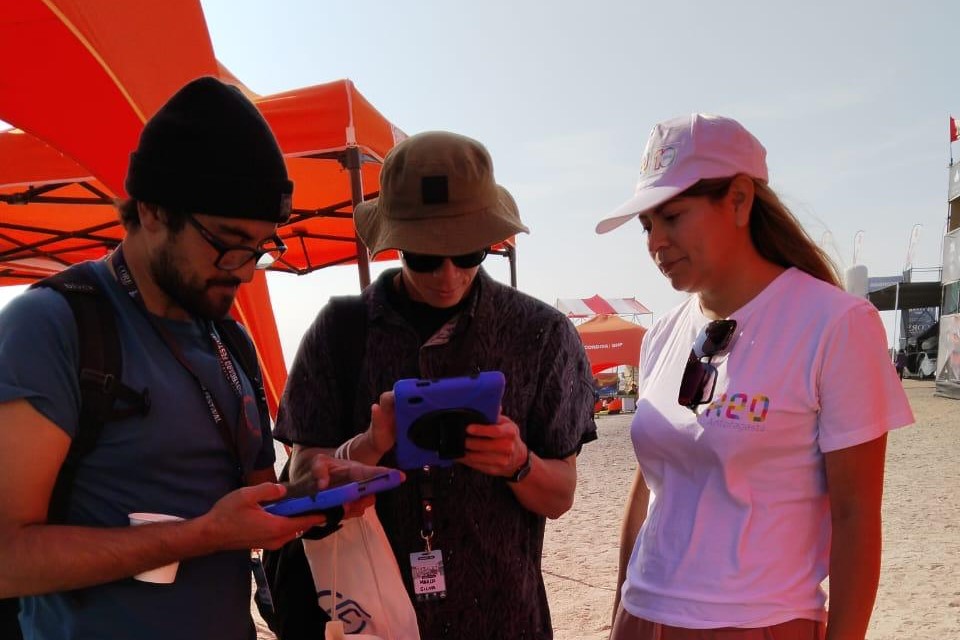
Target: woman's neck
[738,290]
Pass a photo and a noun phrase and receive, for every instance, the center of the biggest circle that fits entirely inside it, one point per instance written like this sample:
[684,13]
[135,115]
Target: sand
[919,595]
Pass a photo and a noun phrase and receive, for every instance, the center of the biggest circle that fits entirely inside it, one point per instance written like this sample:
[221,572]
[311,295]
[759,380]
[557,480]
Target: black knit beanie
[208,150]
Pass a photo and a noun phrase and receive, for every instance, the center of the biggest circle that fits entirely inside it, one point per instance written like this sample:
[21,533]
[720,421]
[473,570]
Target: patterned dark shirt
[491,544]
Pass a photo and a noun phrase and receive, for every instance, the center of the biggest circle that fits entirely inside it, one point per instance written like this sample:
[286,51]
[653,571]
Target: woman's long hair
[775,231]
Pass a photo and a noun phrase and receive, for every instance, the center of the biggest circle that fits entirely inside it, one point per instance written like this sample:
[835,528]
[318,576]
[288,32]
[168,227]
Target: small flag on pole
[954,130]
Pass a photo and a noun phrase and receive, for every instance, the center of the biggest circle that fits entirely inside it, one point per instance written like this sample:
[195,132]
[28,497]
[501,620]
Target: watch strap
[524,469]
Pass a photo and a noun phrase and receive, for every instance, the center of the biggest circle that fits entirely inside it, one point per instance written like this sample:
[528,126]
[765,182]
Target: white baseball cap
[681,152]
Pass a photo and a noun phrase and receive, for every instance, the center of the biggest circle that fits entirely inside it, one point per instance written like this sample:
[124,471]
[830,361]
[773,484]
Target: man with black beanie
[208,187]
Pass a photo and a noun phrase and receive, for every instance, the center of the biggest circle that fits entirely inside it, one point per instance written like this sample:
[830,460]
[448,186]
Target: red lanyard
[227,367]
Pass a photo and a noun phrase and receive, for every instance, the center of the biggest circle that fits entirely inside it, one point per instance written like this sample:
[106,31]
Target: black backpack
[292,611]
[103,396]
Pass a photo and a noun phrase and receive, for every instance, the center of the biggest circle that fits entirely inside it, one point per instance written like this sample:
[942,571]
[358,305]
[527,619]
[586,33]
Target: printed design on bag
[354,617]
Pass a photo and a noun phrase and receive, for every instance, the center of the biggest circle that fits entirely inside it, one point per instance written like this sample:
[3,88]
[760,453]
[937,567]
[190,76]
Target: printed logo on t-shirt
[737,411]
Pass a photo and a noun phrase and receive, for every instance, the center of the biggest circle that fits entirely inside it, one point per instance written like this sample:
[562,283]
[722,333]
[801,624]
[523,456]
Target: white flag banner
[914,236]
[857,246]
[826,240]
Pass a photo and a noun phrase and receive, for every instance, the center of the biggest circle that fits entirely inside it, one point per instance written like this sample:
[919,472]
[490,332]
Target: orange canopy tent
[321,130]
[84,75]
[610,341]
[87,76]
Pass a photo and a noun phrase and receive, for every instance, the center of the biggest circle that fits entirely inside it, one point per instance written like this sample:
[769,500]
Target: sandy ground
[919,596]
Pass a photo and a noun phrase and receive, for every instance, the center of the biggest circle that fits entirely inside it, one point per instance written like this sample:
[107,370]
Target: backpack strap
[347,337]
[101,359]
[103,396]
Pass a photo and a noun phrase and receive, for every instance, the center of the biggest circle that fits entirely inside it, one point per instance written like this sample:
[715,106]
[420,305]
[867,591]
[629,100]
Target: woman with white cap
[764,403]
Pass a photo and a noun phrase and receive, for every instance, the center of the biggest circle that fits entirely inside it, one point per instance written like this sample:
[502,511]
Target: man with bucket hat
[194,457]
[441,315]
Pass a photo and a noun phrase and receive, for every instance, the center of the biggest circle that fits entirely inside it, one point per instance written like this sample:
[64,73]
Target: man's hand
[498,450]
[238,520]
[495,449]
[328,471]
[382,433]
[371,445]
[315,469]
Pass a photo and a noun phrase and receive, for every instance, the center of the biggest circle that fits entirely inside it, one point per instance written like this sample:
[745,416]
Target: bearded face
[207,298]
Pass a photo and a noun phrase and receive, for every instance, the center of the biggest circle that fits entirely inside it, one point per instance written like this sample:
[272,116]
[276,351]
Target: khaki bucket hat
[438,197]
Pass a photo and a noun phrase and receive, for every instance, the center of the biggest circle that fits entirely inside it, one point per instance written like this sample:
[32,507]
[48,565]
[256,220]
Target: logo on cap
[434,190]
[658,159]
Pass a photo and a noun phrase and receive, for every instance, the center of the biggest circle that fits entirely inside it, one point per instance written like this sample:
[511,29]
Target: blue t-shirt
[173,461]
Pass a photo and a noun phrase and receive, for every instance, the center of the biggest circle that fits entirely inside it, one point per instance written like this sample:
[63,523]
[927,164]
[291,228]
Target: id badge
[428,580]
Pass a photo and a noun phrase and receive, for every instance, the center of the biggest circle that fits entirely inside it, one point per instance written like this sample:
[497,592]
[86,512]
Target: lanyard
[227,367]
[425,489]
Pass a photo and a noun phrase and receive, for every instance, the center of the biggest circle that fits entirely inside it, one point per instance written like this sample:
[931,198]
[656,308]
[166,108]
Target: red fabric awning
[598,305]
[84,75]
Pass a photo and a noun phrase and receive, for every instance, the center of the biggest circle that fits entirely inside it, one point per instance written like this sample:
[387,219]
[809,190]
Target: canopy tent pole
[352,161]
[512,257]
[896,320]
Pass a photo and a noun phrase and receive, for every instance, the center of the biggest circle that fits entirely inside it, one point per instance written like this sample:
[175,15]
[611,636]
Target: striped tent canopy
[598,305]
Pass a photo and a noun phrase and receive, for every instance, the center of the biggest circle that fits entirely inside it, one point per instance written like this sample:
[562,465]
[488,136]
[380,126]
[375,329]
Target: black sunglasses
[232,257]
[699,377]
[424,263]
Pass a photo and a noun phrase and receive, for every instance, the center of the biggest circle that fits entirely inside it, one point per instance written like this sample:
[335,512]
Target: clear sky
[850,98]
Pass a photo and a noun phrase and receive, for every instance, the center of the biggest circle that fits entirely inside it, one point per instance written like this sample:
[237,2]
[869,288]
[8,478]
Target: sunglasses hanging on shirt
[699,375]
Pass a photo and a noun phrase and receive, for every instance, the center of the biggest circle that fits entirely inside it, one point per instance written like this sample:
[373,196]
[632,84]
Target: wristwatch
[523,471]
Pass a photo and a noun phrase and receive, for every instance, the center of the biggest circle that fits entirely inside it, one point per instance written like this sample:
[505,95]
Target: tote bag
[358,582]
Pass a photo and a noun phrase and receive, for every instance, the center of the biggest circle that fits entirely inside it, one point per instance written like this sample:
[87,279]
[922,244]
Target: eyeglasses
[423,263]
[699,377]
[232,257]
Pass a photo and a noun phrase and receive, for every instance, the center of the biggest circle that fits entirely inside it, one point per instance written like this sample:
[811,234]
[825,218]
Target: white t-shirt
[738,528]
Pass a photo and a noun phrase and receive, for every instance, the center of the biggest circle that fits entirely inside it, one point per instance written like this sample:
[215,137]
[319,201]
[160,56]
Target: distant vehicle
[926,365]
[922,361]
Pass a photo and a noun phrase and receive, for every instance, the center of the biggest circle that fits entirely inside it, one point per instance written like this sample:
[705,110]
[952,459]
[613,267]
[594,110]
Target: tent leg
[512,257]
[896,321]
[352,161]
